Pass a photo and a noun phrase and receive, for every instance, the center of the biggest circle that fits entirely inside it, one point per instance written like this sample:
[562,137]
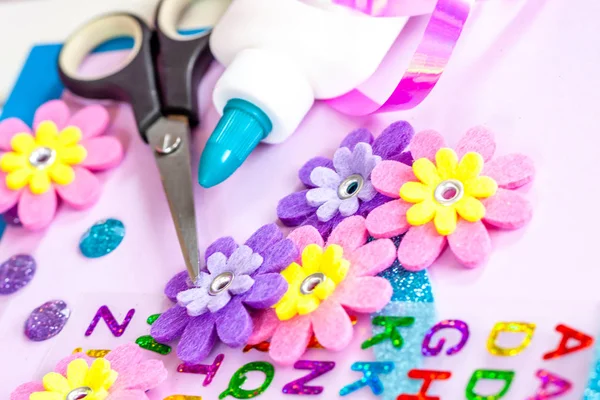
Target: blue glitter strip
[592,392]
[412,297]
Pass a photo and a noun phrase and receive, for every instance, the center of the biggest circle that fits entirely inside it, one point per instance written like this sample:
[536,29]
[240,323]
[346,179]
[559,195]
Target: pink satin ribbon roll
[427,64]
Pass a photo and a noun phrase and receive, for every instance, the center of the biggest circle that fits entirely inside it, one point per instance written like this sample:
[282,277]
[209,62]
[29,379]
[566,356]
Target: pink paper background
[526,69]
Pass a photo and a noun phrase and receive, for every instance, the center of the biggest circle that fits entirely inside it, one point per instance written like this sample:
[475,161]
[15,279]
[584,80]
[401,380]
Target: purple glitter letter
[549,380]
[460,326]
[317,368]
[209,370]
[113,325]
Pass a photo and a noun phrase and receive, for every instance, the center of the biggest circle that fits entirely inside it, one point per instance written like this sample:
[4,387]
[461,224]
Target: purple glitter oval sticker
[16,272]
[47,320]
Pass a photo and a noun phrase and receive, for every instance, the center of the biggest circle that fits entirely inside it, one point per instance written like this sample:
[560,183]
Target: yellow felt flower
[447,189]
[38,161]
[313,281]
[97,378]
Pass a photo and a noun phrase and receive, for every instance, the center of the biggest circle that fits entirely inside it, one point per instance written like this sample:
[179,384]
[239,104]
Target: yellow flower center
[38,161]
[313,281]
[81,382]
[447,189]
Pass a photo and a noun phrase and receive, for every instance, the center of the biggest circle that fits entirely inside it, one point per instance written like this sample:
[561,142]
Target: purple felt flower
[216,306]
[339,188]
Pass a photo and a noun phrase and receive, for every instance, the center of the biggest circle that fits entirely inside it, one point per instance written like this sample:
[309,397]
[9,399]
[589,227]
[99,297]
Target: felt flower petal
[264,322]
[304,236]
[365,294]
[325,178]
[92,120]
[350,234]
[9,128]
[8,197]
[24,391]
[225,245]
[367,192]
[372,258]
[389,176]
[342,161]
[198,339]
[102,153]
[241,284]
[279,257]
[171,324]
[215,303]
[145,375]
[319,196]
[507,210]
[328,210]
[196,300]
[420,247]
[305,171]
[61,367]
[264,238]
[125,358]
[177,284]
[128,395]
[56,111]
[244,261]
[234,325]
[510,171]
[479,140]
[37,211]
[216,263]
[266,291]
[83,192]
[332,325]
[393,140]
[445,219]
[357,136]
[293,209]
[367,206]
[349,206]
[363,160]
[470,243]
[290,340]
[425,144]
[389,219]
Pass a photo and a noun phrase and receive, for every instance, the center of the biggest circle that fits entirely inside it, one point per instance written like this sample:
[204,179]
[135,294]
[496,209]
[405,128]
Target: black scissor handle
[183,61]
[134,82]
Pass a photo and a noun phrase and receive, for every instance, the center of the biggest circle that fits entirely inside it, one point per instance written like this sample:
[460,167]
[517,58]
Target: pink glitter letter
[558,384]
[113,325]
[460,326]
[209,370]
[317,368]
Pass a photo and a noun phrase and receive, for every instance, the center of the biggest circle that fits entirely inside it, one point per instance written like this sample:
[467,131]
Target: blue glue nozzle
[240,129]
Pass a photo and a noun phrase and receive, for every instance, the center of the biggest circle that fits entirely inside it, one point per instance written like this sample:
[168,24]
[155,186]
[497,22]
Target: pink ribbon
[427,64]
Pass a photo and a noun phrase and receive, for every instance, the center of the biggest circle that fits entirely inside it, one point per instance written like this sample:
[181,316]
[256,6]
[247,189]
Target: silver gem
[309,283]
[42,157]
[220,283]
[449,192]
[79,393]
[350,186]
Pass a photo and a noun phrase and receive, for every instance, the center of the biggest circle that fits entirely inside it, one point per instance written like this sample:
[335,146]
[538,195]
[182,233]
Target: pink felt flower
[450,197]
[55,159]
[324,284]
[122,374]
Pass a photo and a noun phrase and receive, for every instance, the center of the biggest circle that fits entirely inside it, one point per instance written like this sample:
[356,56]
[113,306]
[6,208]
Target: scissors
[159,78]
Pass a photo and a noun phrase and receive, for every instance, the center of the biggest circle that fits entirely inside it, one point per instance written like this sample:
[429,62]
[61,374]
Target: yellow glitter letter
[510,327]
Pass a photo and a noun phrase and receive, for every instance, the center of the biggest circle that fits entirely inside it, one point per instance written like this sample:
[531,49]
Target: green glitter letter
[390,332]
[238,379]
[506,376]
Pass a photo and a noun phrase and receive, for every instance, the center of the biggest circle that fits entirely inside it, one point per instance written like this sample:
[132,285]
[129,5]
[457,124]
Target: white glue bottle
[280,56]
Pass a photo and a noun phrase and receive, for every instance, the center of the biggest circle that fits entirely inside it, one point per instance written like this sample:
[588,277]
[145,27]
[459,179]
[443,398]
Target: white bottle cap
[273,83]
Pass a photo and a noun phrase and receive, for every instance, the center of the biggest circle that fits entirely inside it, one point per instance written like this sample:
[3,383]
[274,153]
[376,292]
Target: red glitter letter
[209,370]
[113,325]
[428,376]
[317,368]
[584,340]
[549,380]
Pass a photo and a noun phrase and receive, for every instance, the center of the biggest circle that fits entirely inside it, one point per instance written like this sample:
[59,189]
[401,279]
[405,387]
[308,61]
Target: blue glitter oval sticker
[102,238]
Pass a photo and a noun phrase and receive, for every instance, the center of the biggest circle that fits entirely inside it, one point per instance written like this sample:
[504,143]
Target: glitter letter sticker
[317,368]
[390,332]
[552,386]
[510,327]
[209,370]
[428,376]
[370,378]
[584,340]
[116,329]
[238,379]
[460,326]
[506,376]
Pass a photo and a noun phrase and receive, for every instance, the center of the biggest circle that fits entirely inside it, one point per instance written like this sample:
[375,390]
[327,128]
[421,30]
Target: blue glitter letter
[370,370]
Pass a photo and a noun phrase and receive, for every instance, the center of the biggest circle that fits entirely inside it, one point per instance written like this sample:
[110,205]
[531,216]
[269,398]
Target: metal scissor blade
[169,139]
